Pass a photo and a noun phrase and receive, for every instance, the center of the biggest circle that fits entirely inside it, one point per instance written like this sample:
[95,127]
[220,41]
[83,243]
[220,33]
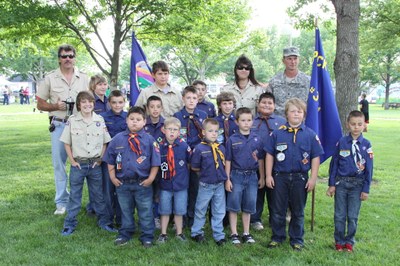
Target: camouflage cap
[288,51]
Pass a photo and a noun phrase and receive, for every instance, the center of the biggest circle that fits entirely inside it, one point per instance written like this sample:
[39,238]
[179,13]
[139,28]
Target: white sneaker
[60,210]
[257,226]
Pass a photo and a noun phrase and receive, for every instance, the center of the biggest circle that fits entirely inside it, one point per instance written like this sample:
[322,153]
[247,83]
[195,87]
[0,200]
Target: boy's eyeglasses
[172,129]
[65,56]
[243,68]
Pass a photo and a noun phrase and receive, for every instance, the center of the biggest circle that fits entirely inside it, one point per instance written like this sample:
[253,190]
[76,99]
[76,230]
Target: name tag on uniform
[344,153]
[141,159]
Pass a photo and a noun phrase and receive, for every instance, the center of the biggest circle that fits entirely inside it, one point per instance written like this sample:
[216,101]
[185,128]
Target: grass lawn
[30,233]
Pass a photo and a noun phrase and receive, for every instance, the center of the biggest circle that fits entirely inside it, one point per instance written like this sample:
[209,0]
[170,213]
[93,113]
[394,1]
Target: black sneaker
[235,239]
[221,242]
[120,241]
[248,239]
[273,244]
[199,238]
[162,238]
[297,247]
[181,237]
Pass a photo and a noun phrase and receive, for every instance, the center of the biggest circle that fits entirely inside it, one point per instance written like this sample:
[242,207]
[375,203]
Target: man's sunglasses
[65,56]
[243,68]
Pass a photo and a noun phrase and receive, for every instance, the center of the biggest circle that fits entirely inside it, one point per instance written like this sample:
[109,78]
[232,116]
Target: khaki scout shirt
[86,139]
[55,86]
[171,101]
[283,90]
[247,97]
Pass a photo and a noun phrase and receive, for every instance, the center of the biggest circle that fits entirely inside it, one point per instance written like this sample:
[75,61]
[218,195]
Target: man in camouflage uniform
[289,83]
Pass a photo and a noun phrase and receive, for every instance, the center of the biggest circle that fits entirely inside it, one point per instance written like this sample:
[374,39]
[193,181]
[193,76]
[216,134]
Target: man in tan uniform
[54,92]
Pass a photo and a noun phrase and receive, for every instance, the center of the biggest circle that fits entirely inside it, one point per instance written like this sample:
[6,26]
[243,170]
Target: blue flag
[322,112]
[140,71]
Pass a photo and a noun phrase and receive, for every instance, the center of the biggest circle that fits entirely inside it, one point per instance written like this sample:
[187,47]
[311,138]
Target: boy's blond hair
[172,121]
[298,103]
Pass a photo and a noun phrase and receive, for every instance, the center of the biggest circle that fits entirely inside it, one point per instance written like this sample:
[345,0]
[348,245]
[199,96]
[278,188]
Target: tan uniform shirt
[247,97]
[55,86]
[86,139]
[172,100]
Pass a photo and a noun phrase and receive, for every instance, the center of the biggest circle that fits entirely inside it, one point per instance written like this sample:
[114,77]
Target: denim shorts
[244,192]
[173,200]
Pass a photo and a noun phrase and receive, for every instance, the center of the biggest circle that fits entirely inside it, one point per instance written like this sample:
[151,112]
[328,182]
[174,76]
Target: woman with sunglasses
[246,88]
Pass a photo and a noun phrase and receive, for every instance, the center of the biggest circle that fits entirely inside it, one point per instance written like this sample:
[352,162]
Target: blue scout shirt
[233,127]
[192,138]
[99,105]
[133,165]
[207,107]
[293,152]
[115,123]
[343,165]
[155,129]
[261,128]
[202,158]
[182,153]
[244,152]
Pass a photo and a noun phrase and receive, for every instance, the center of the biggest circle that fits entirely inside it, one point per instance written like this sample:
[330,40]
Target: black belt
[347,178]
[58,119]
[290,173]
[245,172]
[88,161]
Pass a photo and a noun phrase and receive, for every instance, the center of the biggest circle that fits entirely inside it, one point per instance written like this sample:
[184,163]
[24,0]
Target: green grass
[30,233]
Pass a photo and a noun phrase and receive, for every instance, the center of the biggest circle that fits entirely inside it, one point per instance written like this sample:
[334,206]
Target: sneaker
[147,244]
[67,231]
[349,247]
[297,247]
[258,226]
[60,210]
[199,238]
[235,239]
[248,239]
[120,241]
[157,223]
[162,238]
[221,242]
[339,247]
[109,228]
[273,244]
[181,237]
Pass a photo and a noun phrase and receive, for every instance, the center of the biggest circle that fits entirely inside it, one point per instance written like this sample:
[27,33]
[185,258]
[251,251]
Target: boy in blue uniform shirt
[244,156]
[208,159]
[192,132]
[292,151]
[154,124]
[350,176]
[203,104]
[174,180]
[133,159]
[226,116]
[264,123]
[115,120]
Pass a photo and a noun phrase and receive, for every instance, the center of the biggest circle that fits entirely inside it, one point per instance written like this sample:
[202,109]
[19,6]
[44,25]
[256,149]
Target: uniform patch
[156,147]
[370,153]
[159,139]
[141,159]
[317,138]
[181,162]
[344,153]
[189,149]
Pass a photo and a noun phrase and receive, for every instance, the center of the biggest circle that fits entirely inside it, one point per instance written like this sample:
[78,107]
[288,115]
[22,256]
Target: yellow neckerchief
[291,129]
[215,150]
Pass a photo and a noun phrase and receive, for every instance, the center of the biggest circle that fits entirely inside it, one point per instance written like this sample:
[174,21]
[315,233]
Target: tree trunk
[346,64]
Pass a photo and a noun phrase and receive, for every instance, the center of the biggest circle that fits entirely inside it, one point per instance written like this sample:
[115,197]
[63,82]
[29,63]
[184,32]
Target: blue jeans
[214,193]
[289,191]
[347,207]
[131,196]
[262,194]
[110,196]
[94,182]
[59,157]
[244,192]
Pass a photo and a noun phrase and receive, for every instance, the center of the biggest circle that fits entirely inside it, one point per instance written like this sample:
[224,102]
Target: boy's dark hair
[243,60]
[242,110]
[83,95]
[188,89]
[67,48]
[137,110]
[210,121]
[267,95]
[355,113]
[196,82]
[225,97]
[159,65]
[115,93]
[153,98]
